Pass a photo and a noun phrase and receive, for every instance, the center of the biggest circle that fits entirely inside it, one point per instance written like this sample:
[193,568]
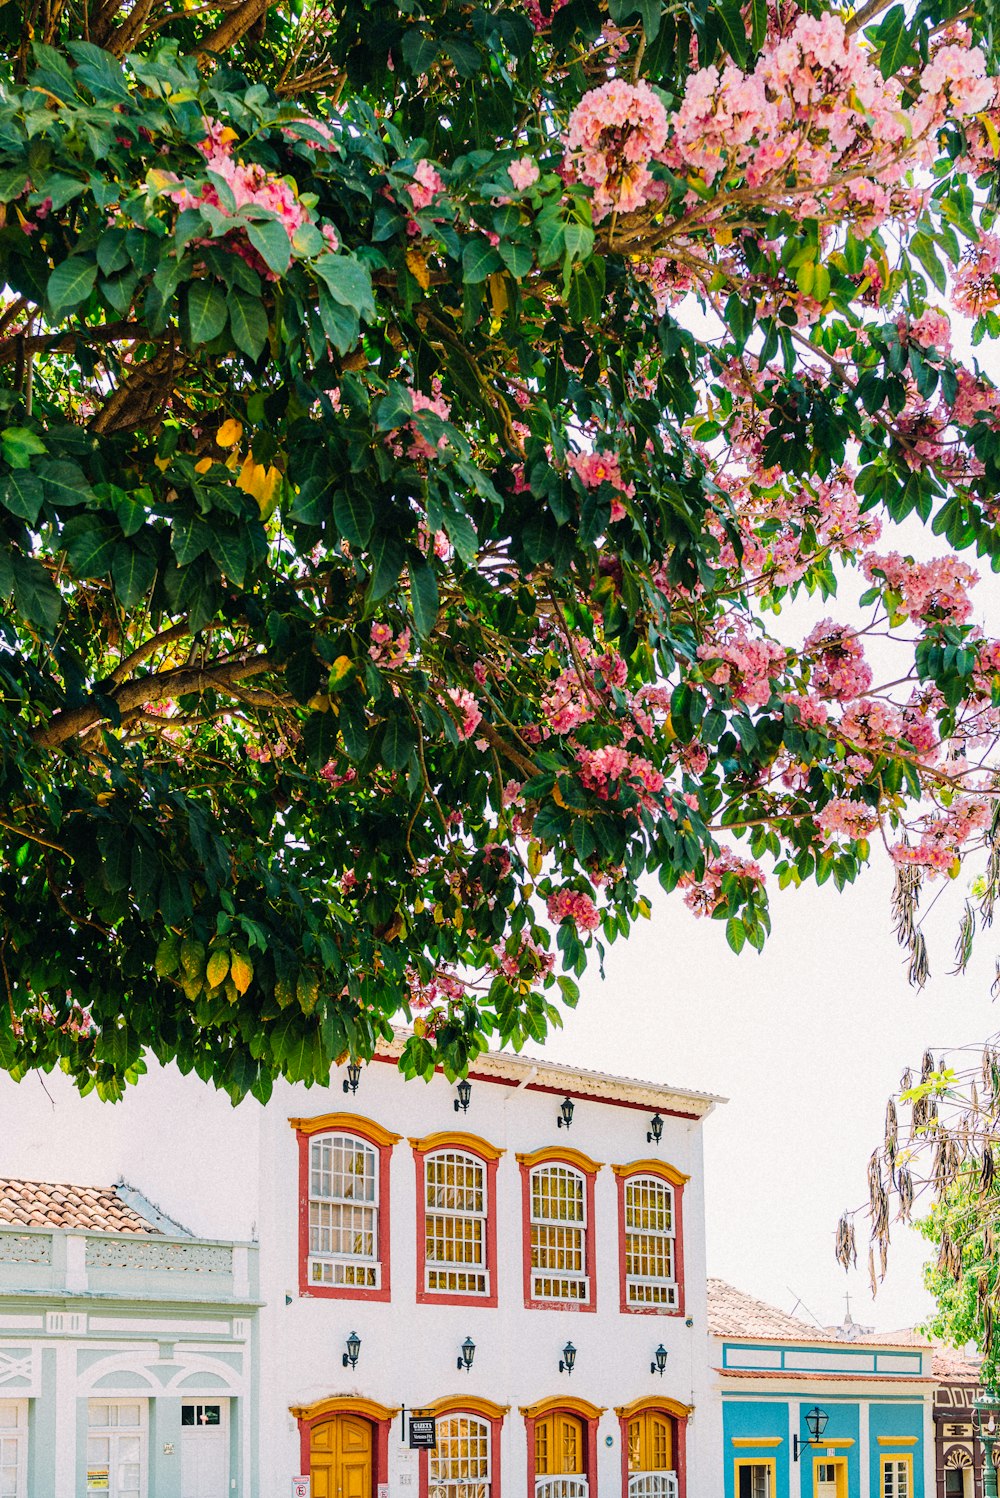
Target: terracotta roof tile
[733,1313]
[45,1204]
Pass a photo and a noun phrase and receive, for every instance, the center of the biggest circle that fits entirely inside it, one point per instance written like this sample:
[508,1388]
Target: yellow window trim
[344,1404]
[453,1139]
[654,1402]
[659,1168]
[768,1462]
[841,1472]
[346,1123]
[898,1441]
[568,1403]
[838,1443]
[555,1155]
[466,1404]
[761,1441]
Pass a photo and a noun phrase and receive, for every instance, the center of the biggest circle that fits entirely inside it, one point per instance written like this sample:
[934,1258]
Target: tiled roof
[951,1366]
[733,1313]
[44,1204]
[823,1377]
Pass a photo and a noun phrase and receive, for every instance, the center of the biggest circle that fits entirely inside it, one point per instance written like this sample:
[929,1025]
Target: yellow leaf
[416,264]
[263,483]
[103,797]
[534,859]
[229,433]
[557,795]
[228,135]
[203,465]
[340,671]
[218,966]
[162,464]
[241,970]
[991,131]
[723,236]
[498,293]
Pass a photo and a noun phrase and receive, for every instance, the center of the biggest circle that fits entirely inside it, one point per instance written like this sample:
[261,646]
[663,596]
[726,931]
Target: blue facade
[873,1421]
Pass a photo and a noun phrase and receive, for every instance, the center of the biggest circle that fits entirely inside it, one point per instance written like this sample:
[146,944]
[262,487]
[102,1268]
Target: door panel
[340,1458]
[559,1445]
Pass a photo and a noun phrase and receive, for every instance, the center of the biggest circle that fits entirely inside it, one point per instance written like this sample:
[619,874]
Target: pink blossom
[427,186]
[935,591]
[469,709]
[523,173]
[851,818]
[613,134]
[839,665]
[571,905]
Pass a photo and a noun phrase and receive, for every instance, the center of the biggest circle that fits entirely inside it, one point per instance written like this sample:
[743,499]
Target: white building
[420,1227]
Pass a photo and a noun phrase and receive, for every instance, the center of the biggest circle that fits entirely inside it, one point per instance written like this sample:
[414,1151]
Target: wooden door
[340,1457]
[559,1445]
[650,1443]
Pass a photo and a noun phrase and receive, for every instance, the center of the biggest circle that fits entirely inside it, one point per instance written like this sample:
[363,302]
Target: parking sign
[301,1487]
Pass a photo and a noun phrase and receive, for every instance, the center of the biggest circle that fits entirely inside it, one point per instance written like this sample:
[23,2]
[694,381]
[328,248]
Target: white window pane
[99,1415]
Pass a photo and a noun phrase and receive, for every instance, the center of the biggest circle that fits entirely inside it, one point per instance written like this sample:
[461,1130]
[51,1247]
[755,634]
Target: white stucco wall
[233,1173]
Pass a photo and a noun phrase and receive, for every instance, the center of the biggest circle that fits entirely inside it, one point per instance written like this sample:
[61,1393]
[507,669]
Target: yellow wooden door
[558,1445]
[650,1443]
[340,1458]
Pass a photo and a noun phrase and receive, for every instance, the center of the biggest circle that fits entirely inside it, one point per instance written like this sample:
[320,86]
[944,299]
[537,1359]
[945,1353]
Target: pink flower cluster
[704,896]
[386,649]
[976,286]
[935,591]
[614,133]
[419,446]
[572,905]
[942,837]
[603,769]
[839,666]
[471,714]
[932,329]
[523,173]
[746,666]
[427,185]
[595,469]
[851,818]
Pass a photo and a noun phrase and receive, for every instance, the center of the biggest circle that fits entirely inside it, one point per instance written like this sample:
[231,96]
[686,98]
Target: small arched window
[651,1466]
[455,1212]
[558,1234]
[650,1233]
[343,1212]
[461,1464]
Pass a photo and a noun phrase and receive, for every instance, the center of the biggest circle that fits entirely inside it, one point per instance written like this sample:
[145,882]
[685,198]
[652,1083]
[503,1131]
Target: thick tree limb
[165,687]
[235,26]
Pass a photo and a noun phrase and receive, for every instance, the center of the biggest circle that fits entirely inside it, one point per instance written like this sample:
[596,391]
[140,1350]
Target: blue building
[803,1412]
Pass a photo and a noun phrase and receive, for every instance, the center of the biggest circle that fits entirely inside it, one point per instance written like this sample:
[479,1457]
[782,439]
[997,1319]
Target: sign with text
[301,1487]
[423,1433]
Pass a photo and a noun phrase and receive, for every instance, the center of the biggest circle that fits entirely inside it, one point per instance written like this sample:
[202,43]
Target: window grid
[650,1278]
[895,1478]
[343,1212]
[460,1466]
[13,1448]
[754,1480]
[558,1234]
[652,1485]
[455,1203]
[116,1445]
[561,1487]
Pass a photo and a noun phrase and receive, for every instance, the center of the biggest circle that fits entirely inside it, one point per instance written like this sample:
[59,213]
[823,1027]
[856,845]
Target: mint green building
[127,1349]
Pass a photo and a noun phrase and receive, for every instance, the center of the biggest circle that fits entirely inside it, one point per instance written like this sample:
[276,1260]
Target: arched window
[558,1204]
[461,1464]
[343,1212]
[344,1206]
[651,1237]
[650,1259]
[456,1219]
[560,1447]
[651,1469]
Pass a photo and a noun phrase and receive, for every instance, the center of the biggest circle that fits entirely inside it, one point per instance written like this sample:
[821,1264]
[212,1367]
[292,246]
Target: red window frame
[576,1160]
[677,1181]
[560,1404]
[488,1154]
[380,1139]
[677,1413]
[483,1409]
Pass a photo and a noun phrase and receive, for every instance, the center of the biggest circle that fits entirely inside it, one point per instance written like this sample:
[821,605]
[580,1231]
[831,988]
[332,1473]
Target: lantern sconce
[816,1423]
[464,1095]
[568,1359]
[565,1113]
[353,1349]
[655,1129]
[466,1355]
[659,1360]
[353,1077]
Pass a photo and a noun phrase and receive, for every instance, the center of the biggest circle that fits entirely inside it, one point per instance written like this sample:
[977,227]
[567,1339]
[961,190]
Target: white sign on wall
[301,1487]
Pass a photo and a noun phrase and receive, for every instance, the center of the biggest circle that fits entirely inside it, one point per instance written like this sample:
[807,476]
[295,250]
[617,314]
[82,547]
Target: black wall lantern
[353,1077]
[468,1351]
[655,1129]
[660,1363]
[568,1358]
[816,1423]
[464,1095]
[565,1113]
[353,1349]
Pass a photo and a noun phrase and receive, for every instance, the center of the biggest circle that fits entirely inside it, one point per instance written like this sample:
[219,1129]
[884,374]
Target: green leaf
[65,483]
[22,494]
[736,933]
[386,564]
[35,594]
[516,257]
[13,181]
[758,24]
[70,284]
[895,40]
[270,240]
[398,742]
[20,445]
[247,323]
[423,595]
[320,738]
[89,545]
[207,311]
[348,282]
[354,515]
[579,241]
[479,260]
[729,18]
[132,572]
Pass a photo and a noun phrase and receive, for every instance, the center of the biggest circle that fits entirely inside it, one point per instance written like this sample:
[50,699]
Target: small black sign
[423,1433]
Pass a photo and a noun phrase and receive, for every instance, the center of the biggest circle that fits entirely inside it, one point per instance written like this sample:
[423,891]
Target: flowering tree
[413,418]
